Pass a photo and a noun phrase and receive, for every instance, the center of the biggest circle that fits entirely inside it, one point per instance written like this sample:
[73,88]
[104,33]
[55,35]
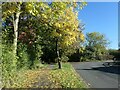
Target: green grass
[67,77]
[51,78]
[22,78]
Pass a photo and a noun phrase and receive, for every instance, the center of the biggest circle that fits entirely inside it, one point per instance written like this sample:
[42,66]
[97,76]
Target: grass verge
[67,77]
[49,78]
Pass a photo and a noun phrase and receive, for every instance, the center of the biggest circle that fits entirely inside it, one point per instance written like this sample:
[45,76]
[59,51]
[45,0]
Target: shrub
[8,65]
[34,54]
[115,53]
[23,60]
[64,58]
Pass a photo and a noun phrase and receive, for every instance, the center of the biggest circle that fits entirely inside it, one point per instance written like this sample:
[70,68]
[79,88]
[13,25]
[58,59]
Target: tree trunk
[15,25]
[59,62]
[58,56]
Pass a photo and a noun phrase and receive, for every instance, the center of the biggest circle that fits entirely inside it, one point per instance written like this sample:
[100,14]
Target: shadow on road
[110,69]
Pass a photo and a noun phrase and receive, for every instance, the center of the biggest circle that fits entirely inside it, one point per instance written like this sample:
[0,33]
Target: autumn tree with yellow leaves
[62,28]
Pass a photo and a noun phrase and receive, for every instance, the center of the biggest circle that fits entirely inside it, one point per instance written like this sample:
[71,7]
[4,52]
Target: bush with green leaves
[8,65]
[23,60]
[38,54]
[114,53]
[34,53]
[64,58]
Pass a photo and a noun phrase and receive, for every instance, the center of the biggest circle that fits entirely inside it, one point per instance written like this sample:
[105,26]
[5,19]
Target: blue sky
[101,17]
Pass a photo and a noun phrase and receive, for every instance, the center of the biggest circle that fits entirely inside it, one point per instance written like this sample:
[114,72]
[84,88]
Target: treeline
[34,32]
[95,47]
[115,54]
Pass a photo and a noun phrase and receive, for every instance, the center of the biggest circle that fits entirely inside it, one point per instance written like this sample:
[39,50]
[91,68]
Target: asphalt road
[97,75]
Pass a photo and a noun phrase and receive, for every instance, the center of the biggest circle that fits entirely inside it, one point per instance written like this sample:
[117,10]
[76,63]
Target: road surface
[97,75]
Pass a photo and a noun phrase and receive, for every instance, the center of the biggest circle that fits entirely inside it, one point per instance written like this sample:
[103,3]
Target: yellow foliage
[44,16]
[82,37]
[57,25]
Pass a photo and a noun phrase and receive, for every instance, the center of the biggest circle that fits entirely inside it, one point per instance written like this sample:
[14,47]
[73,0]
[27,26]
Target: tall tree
[13,10]
[63,26]
[96,44]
